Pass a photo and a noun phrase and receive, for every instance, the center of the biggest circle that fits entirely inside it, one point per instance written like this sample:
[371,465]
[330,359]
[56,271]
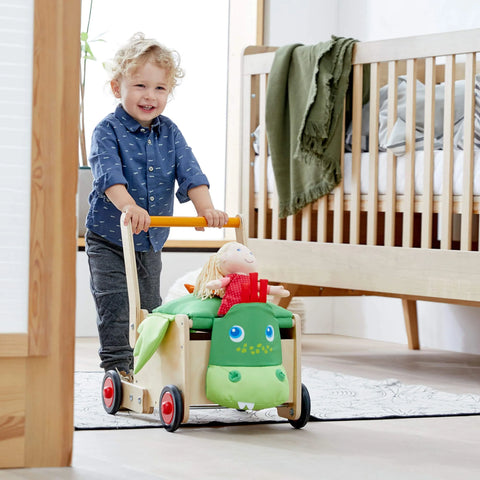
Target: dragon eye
[269,333]
[236,333]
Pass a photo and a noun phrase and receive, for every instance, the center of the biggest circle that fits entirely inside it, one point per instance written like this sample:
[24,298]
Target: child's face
[143,92]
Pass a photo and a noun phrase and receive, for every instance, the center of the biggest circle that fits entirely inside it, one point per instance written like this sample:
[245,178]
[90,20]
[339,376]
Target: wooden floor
[428,448]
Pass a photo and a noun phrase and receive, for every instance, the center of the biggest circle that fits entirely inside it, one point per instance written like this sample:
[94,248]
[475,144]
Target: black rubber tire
[305,412]
[111,392]
[171,407]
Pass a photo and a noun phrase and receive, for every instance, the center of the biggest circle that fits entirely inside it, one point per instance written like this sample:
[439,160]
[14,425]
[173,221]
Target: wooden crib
[369,236]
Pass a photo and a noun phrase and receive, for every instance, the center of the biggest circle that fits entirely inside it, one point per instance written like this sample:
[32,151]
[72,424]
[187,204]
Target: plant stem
[83,148]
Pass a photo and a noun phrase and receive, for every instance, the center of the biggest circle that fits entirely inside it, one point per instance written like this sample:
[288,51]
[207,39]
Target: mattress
[400,173]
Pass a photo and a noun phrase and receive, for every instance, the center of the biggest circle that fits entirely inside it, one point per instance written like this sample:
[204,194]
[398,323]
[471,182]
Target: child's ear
[115,86]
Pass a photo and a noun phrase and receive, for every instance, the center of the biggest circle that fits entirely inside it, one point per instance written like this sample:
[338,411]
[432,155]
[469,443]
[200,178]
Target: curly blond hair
[140,50]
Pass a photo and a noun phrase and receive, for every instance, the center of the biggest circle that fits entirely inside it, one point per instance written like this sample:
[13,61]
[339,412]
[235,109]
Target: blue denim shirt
[147,162]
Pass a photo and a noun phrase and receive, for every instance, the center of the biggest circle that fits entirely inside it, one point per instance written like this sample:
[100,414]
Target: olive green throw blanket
[304,109]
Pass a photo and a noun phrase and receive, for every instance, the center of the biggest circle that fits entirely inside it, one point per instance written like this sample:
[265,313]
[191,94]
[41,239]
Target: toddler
[136,156]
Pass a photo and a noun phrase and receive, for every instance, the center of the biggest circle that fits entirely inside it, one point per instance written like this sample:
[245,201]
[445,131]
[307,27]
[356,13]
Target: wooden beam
[260,22]
[13,345]
[51,330]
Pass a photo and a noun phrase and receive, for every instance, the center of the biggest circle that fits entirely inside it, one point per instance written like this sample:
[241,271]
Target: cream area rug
[334,396]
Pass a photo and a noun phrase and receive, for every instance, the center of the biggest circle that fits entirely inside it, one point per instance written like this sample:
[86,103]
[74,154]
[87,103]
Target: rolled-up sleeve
[188,171]
[105,159]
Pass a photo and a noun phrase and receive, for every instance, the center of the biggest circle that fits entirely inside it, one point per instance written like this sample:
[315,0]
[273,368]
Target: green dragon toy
[245,368]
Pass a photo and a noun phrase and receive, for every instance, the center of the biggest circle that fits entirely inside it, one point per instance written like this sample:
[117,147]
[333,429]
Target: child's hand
[215,218]
[138,216]
[200,197]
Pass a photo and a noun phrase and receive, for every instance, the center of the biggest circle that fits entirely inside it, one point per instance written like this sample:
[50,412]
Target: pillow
[256,141]
[203,312]
[458,139]
[396,139]
[382,127]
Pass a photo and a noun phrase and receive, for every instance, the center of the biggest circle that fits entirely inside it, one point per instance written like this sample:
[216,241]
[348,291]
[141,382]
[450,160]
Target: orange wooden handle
[233,222]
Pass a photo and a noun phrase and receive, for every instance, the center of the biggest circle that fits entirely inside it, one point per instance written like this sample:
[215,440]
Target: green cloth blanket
[304,109]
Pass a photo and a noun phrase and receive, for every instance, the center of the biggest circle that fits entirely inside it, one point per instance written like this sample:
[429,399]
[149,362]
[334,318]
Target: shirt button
[150,169]
[142,129]
[152,198]
[149,142]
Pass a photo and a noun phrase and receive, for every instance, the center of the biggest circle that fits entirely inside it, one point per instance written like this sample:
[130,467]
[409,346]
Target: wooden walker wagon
[175,377]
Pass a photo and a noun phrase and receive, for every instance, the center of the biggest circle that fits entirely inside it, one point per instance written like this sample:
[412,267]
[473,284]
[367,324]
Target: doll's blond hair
[212,271]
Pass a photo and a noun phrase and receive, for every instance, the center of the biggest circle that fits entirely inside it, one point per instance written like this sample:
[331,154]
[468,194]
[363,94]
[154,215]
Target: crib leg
[411,323]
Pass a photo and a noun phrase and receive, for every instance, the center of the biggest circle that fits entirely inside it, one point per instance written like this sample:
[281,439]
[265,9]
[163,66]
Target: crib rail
[429,219]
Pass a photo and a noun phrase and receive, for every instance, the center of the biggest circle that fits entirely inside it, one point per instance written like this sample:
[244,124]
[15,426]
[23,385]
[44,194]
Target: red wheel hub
[108,392]
[167,408]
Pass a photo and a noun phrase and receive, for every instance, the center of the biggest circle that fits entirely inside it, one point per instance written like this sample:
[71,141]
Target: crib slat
[409,193]
[391,158]
[262,160]
[248,200]
[448,121]
[338,202]
[322,211]
[356,153]
[372,214]
[275,211]
[291,222]
[306,233]
[469,126]
[427,197]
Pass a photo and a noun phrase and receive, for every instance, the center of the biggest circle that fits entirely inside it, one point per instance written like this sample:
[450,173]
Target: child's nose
[149,93]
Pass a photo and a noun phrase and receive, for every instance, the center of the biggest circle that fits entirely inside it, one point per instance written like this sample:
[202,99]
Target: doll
[226,273]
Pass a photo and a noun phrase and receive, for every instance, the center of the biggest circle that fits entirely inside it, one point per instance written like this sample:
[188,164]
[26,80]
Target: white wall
[174,266]
[379,19]
[299,21]
[448,327]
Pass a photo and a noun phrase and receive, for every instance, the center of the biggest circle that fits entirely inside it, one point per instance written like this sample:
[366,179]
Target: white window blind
[199,32]
[16,64]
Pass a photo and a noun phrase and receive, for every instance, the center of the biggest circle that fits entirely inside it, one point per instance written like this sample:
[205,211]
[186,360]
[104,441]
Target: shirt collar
[131,124]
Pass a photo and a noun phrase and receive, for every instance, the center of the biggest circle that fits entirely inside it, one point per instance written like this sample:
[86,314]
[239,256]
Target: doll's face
[238,259]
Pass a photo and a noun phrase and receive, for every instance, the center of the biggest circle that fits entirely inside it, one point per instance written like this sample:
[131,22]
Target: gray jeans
[109,289]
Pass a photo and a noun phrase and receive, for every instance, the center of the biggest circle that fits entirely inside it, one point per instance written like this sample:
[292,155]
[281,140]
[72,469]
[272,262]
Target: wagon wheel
[171,407]
[305,412]
[111,392]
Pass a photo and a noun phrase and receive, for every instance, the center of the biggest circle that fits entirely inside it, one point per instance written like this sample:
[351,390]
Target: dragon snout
[247,387]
